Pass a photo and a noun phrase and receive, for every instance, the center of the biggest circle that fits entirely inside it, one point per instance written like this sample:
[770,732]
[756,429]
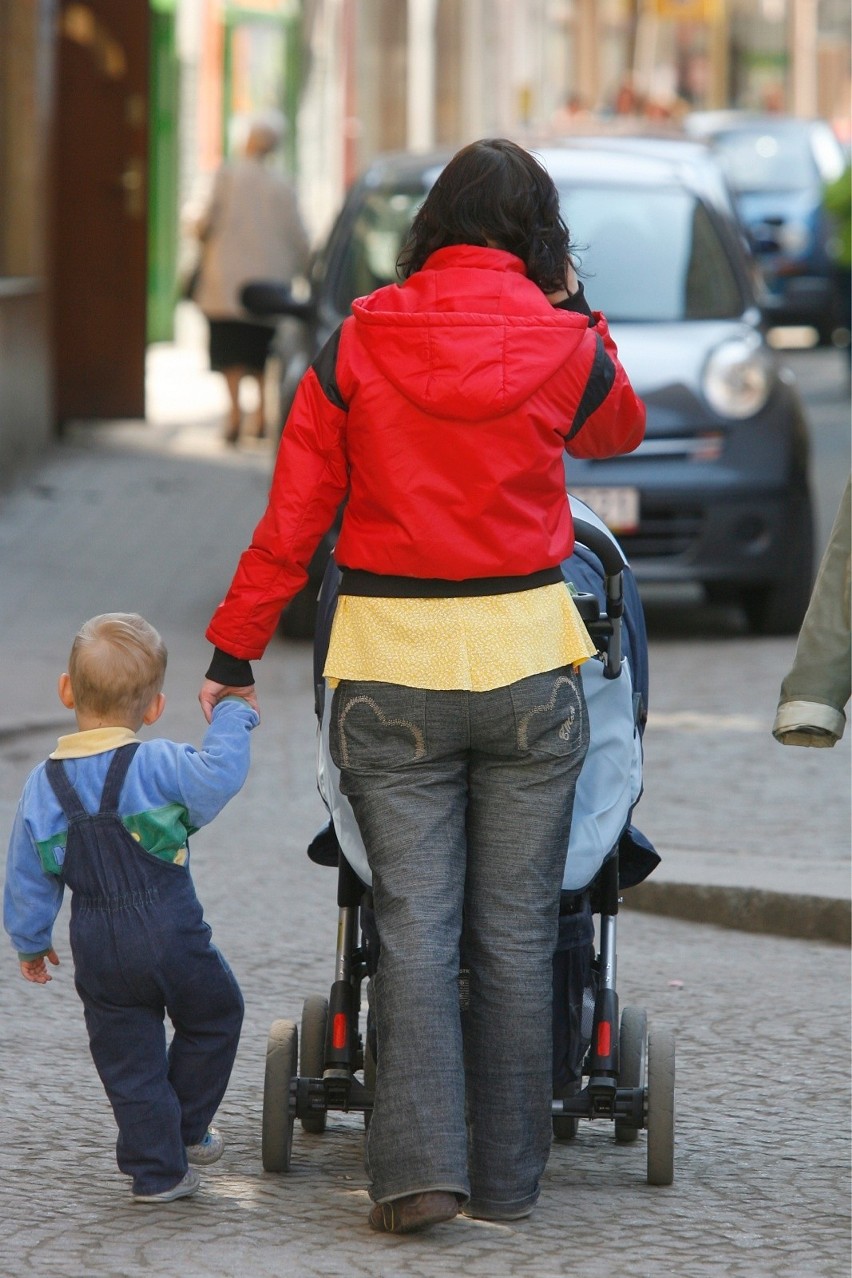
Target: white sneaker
[209,1150]
[182,1189]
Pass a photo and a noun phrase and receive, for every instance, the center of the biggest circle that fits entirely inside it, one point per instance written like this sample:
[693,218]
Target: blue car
[778,168]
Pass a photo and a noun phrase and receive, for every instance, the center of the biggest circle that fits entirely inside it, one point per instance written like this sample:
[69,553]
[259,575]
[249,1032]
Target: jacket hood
[469,335]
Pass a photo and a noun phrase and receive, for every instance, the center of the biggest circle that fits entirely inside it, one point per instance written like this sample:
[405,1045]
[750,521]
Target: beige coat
[252,230]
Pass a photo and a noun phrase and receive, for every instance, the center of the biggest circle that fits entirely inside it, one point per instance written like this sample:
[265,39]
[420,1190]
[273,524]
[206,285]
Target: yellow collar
[79,745]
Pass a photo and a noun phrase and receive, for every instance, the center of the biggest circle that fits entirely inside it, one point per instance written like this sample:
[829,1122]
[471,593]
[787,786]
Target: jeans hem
[443,1187]
[485,1210]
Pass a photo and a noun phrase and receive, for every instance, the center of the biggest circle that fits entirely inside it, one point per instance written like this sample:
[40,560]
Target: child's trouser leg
[206,1009]
[128,1046]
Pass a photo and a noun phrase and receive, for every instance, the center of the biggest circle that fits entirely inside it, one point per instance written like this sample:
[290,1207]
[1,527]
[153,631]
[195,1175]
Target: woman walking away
[251,230]
[441,408]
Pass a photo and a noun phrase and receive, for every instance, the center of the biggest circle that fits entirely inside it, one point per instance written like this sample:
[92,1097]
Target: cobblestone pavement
[762,1154]
[762,1183]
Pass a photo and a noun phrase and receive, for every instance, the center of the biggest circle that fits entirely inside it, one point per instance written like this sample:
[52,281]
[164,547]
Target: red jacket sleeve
[610,418]
[310,480]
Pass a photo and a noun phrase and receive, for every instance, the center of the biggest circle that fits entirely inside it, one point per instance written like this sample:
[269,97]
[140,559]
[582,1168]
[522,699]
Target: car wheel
[779,607]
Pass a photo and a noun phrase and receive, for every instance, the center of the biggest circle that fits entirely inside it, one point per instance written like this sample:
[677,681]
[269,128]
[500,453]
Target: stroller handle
[605,547]
[613,562]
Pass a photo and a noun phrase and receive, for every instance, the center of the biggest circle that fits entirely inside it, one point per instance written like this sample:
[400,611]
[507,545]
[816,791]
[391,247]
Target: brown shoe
[414,1211]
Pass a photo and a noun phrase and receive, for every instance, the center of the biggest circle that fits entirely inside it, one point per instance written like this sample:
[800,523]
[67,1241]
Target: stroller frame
[629,1072]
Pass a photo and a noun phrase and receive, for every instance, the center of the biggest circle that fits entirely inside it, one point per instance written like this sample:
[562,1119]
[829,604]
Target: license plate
[617,507]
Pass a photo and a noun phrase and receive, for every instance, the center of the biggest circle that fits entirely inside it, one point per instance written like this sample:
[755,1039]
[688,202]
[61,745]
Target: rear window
[378,234]
[650,255]
[644,254]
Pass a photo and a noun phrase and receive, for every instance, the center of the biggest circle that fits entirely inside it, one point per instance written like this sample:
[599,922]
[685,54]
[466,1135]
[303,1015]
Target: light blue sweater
[170,791]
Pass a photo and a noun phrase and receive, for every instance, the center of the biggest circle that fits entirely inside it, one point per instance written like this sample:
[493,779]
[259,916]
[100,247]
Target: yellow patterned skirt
[476,643]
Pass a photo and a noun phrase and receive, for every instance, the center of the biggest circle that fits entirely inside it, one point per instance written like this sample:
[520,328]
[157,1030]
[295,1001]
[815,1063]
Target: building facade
[113,113]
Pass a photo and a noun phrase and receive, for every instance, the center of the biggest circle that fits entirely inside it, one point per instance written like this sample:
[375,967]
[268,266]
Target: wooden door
[99,209]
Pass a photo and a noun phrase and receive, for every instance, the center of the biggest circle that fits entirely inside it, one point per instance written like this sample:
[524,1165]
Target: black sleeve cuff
[577,302]
[233,672]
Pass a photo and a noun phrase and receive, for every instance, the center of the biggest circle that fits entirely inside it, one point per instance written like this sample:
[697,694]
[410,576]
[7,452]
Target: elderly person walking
[250,230]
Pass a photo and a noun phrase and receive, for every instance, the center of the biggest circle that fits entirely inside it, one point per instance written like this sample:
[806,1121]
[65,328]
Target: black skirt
[239,343]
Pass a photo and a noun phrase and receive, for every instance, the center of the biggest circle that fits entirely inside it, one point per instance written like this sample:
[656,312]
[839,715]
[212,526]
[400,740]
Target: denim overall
[141,948]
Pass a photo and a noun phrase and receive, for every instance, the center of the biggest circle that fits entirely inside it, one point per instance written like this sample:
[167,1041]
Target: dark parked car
[718,492]
[778,168]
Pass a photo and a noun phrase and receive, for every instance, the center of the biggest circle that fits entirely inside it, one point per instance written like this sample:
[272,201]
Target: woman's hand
[212,693]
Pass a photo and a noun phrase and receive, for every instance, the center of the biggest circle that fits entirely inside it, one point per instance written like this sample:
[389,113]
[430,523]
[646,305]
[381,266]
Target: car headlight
[738,377]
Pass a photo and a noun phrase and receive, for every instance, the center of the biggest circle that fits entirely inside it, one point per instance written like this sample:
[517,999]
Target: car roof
[620,160]
[708,123]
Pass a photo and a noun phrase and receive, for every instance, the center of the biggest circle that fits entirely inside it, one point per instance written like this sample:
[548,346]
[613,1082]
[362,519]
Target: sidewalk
[190,502]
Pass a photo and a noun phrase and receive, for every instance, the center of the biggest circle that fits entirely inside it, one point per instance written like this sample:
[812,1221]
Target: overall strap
[69,801]
[121,761]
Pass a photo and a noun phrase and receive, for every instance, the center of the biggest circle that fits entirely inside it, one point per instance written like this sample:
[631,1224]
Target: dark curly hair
[493,192]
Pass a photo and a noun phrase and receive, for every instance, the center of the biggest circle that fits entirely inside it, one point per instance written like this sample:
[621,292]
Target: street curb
[811,918]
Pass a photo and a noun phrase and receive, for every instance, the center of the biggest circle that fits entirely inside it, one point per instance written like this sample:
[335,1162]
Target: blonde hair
[117,666]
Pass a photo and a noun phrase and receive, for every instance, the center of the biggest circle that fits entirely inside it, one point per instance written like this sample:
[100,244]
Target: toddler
[110,816]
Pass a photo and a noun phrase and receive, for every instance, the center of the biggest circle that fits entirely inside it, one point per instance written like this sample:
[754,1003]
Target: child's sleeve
[32,898]
[209,777]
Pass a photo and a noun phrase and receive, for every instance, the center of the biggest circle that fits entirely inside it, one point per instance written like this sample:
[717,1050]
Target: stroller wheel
[282,1052]
[661,1107]
[312,1052]
[632,1054]
[369,1078]
[565,1125]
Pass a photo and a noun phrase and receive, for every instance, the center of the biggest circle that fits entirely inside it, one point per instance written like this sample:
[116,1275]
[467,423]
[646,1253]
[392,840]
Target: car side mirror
[272,298]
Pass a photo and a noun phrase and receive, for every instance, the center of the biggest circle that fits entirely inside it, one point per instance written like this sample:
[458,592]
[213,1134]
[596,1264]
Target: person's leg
[206,1008]
[128,1046]
[233,377]
[405,774]
[528,742]
[258,376]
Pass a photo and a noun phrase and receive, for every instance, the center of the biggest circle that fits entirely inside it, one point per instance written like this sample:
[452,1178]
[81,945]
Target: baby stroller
[605,1067]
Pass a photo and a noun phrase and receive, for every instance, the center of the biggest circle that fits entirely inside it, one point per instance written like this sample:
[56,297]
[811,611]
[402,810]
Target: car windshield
[644,254]
[765,160]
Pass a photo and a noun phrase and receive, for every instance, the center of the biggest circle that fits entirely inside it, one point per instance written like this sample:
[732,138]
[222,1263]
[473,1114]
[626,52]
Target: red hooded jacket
[441,408]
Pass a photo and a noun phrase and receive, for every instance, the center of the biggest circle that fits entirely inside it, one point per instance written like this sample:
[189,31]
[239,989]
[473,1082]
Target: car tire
[778,608]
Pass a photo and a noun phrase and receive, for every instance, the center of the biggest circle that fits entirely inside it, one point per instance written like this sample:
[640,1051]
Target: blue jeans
[464,803]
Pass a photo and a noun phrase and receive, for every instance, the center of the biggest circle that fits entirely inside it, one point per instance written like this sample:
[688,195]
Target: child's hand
[212,693]
[35,970]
